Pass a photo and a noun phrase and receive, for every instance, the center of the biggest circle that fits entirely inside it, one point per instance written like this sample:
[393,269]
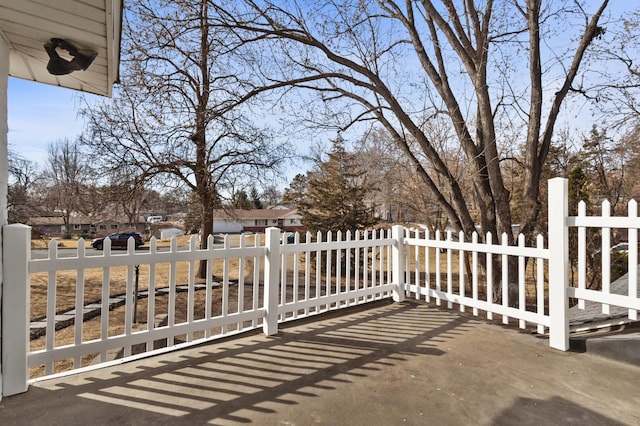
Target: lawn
[66,280]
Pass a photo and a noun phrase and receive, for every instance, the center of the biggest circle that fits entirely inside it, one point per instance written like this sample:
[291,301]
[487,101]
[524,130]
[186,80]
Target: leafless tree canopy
[175,117]
[494,74]
[69,174]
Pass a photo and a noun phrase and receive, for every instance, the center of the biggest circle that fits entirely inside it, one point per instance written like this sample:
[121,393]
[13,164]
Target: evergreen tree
[335,195]
[254,195]
[296,191]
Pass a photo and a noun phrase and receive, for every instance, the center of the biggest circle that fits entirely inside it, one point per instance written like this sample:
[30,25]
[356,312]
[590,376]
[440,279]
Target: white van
[154,219]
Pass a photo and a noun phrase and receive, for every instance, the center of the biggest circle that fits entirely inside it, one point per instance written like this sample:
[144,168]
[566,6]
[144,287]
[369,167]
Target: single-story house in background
[83,226]
[237,220]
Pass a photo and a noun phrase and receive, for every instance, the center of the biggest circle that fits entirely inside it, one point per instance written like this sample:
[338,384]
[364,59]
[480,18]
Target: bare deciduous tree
[23,177]
[481,65]
[68,173]
[170,119]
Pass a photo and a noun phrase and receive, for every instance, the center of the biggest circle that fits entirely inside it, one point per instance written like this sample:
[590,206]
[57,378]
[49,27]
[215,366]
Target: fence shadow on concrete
[232,381]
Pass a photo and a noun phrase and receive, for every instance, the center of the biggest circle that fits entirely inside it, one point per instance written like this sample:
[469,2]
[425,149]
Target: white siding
[223,226]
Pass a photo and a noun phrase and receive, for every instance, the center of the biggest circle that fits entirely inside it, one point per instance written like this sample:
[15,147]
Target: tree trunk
[206,229]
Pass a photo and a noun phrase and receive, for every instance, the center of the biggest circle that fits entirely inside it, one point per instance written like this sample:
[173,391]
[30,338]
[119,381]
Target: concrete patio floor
[388,364]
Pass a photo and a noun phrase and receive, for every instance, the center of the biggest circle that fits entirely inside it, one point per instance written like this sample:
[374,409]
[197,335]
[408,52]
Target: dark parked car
[118,240]
[291,238]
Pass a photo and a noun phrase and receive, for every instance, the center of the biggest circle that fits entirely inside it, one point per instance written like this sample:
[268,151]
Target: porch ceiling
[90,24]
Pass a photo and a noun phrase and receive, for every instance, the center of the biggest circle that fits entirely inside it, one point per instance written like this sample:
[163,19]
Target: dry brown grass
[530,275]
[66,280]
[91,329]
[66,283]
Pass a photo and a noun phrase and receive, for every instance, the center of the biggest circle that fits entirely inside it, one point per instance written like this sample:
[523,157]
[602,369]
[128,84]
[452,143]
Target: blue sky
[39,114]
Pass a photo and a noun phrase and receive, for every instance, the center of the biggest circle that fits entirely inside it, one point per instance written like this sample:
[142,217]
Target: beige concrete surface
[391,364]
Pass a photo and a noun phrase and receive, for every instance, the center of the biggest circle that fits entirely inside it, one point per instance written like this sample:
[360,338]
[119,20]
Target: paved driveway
[391,364]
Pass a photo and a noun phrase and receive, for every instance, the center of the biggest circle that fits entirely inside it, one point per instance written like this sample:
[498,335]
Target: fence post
[558,241]
[397,263]
[16,251]
[271,281]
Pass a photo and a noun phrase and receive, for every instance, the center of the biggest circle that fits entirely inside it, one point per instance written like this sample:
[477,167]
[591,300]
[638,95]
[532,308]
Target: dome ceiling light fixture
[58,65]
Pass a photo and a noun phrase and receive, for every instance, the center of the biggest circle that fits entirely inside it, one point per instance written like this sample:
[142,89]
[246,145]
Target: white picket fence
[262,284]
[626,295]
[258,287]
[481,294]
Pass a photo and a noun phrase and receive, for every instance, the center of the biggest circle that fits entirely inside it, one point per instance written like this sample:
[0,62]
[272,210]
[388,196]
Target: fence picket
[225,284]
[582,253]
[540,282]
[296,278]
[79,303]
[104,309]
[632,258]
[416,264]
[373,262]
[151,292]
[209,288]
[318,283]
[283,277]
[51,305]
[606,255]
[356,275]
[505,277]
[328,275]
[307,271]
[438,272]
[128,308]
[256,282]
[449,271]
[474,272]
[461,272]
[522,288]
[241,266]
[171,306]
[191,284]
[489,269]
[347,279]
[427,269]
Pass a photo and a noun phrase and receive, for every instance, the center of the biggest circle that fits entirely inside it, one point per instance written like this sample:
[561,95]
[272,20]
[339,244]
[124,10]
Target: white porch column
[15,333]
[4,168]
